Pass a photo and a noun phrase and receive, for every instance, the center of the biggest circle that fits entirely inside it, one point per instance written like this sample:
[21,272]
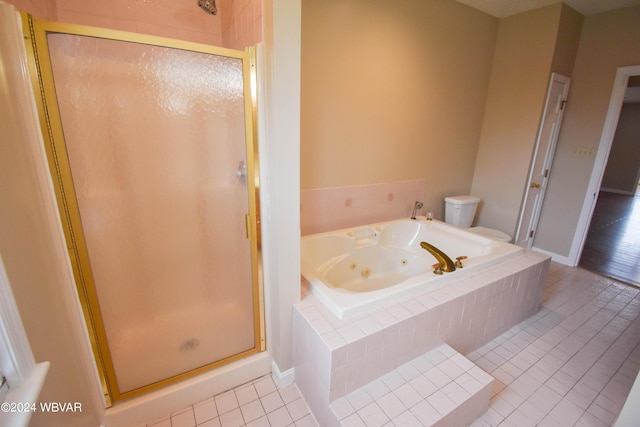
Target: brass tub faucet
[446,264]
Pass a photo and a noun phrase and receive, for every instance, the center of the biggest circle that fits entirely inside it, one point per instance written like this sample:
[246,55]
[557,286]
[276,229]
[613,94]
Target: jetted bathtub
[355,269]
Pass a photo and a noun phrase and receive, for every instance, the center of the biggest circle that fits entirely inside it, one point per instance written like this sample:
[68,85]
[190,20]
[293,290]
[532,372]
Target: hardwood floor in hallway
[612,247]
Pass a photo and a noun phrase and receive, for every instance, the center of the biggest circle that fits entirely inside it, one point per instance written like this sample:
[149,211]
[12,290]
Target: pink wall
[237,24]
[43,9]
[334,208]
[241,22]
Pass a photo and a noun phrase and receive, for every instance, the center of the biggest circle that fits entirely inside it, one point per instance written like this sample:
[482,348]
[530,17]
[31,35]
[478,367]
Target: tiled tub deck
[334,357]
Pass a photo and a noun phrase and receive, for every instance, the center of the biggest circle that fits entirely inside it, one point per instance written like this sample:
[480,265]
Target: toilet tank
[460,210]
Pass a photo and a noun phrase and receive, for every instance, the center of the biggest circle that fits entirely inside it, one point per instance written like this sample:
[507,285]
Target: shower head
[208,6]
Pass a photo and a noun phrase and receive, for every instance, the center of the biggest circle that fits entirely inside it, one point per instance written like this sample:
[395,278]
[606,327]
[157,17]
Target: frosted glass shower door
[154,139]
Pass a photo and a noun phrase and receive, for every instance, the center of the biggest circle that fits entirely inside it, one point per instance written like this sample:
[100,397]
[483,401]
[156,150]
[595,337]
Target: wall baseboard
[614,190]
[282,379]
[561,259]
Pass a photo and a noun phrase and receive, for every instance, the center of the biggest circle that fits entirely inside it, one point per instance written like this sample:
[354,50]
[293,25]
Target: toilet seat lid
[491,233]
[462,200]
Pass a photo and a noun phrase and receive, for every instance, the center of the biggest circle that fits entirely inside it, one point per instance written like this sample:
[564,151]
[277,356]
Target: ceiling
[503,8]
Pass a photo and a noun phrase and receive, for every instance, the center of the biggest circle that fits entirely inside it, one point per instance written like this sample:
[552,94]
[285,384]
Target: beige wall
[609,40]
[567,41]
[392,92]
[621,173]
[528,46]
[279,136]
[34,253]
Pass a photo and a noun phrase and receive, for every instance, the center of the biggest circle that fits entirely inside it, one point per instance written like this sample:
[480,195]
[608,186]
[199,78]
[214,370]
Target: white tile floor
[441,387]
[256,404]
[572,364]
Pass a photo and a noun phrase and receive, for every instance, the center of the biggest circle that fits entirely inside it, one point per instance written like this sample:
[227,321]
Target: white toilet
[460,211]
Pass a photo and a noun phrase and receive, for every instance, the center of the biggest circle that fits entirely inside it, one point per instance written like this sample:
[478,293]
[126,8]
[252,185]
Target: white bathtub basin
[353,270]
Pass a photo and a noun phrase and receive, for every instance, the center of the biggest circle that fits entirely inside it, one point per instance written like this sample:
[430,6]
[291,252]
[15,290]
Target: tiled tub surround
[334,208]
[334,357]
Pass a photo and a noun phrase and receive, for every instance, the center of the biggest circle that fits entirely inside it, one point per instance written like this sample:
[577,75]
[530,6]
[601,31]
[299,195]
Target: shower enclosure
[153,158]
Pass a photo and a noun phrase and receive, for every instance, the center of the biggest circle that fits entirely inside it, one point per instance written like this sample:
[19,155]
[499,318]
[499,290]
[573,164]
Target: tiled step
[439,388]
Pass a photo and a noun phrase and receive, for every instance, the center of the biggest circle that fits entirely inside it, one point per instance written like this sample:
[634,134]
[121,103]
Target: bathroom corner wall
[530,46]
[334,208]
[567,41]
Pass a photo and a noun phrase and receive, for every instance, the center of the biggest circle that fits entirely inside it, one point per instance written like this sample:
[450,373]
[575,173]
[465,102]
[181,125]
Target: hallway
[613,242]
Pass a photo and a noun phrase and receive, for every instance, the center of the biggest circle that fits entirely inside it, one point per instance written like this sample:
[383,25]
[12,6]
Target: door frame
[548,160]
[606,141]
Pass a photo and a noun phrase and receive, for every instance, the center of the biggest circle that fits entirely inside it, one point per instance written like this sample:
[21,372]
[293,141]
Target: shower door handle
[241,173]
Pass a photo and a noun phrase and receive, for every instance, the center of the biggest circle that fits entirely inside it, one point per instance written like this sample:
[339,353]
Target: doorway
[153,157]
[612,247]
[612,244]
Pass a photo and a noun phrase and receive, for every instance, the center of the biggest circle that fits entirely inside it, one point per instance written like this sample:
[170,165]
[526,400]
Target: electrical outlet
[583,152]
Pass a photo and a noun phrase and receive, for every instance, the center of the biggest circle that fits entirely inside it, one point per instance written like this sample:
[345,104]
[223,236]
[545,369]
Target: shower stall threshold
[158,403]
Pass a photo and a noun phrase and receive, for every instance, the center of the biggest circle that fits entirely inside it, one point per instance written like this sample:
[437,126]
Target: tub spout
[417,205]
[446,263]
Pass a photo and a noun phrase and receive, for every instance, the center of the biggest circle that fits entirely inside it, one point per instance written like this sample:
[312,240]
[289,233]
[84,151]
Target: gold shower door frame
[35,33]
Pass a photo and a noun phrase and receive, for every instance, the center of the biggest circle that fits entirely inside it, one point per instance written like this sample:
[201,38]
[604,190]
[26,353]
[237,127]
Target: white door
[542,159]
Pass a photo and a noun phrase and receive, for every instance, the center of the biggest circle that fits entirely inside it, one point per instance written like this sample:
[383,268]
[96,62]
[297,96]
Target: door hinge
[546,172]
[531,234]
[562,104]
[247,222]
